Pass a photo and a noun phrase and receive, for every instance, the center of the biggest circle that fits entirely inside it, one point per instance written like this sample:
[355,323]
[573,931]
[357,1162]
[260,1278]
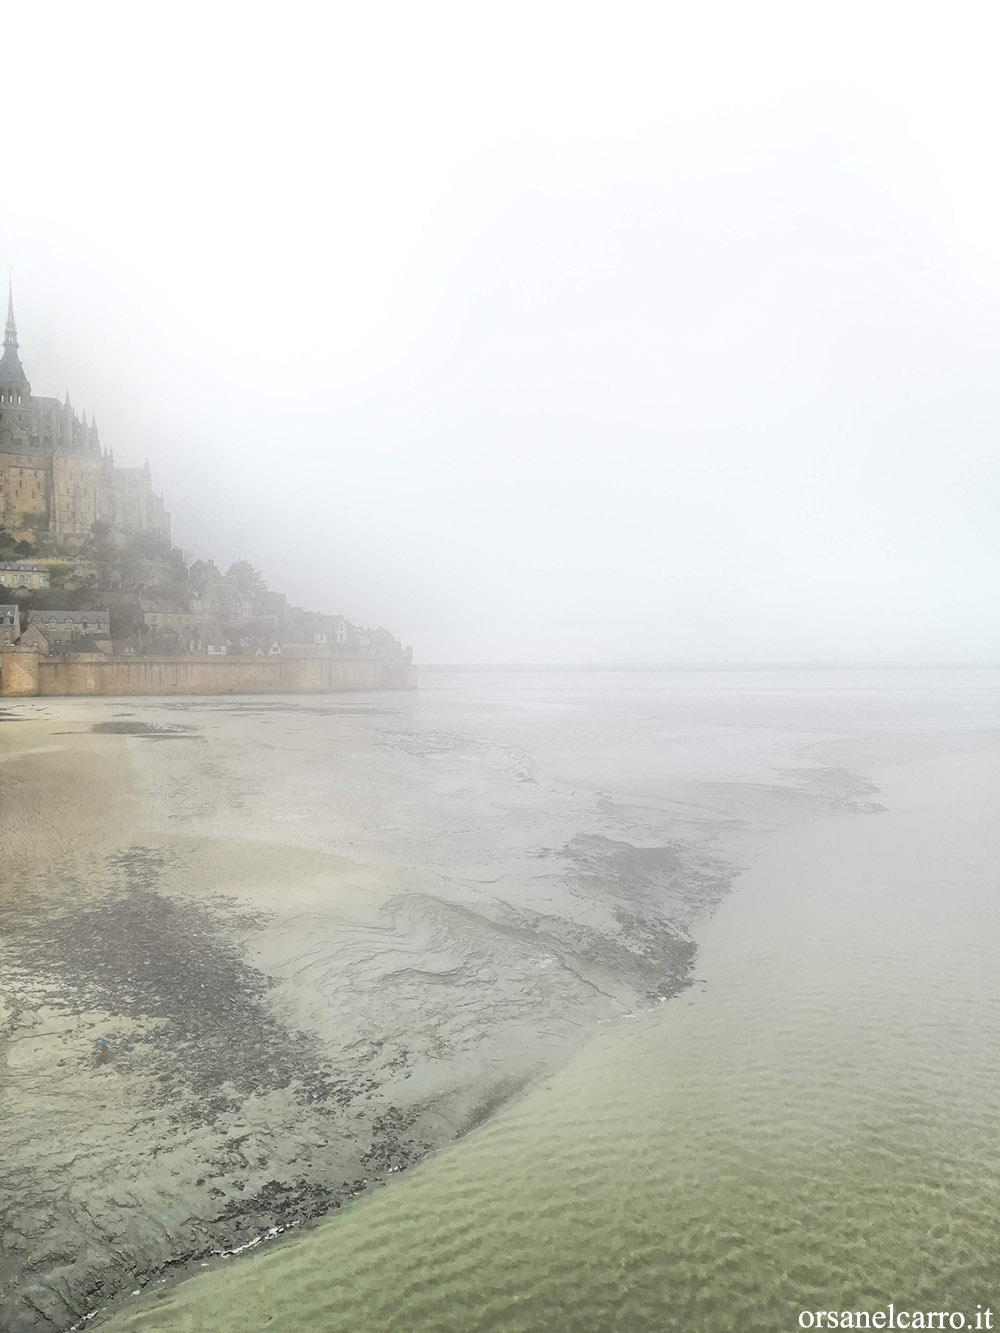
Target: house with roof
[203,572]
[237,606]
[84,643]
[358,640]
[25,575]
[214,643]
[60,624]
[271,607]
[35,637]
[382,641]
[10,624]
[166,615]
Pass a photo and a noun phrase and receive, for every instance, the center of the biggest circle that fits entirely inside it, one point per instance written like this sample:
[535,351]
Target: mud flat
[257,958]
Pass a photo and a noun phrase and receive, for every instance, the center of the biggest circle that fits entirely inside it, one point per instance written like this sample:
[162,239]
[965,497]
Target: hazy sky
[537,332]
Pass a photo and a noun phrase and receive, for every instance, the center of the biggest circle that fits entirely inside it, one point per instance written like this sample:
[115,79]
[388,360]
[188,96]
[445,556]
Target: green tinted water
[815,1126]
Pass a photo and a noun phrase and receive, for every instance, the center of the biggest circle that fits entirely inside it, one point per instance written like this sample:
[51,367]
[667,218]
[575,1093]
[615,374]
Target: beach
[261,958]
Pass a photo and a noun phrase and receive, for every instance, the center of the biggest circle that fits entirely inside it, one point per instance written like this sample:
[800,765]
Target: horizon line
[784,664]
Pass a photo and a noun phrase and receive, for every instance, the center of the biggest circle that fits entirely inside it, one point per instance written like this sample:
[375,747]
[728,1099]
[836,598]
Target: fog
[541,332]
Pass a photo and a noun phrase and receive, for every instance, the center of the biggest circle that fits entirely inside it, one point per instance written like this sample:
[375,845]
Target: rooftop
[64,617]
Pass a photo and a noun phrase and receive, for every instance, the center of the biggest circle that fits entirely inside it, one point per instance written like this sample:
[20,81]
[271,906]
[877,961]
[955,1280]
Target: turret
[14,387]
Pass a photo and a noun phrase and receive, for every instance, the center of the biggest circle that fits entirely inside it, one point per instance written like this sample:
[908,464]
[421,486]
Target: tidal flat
[259,958]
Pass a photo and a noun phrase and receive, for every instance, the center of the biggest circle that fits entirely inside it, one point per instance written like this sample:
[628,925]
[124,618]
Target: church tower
[15,391]
[55,483]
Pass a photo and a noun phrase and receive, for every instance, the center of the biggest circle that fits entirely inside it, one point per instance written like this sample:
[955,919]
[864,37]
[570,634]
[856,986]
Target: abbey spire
[14,386]
[10,331]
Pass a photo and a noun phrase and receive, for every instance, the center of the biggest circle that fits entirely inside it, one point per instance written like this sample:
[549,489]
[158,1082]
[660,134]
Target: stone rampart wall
[27,673]
[18,672]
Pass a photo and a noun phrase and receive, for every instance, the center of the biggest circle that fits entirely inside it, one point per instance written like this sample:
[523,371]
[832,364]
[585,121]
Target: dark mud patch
[837,789]
[668,953]
[206,1033]
[299,1199]
[652,956]
[152,729]
[393,1147]
[246,1119]
[668,881]
[253,708]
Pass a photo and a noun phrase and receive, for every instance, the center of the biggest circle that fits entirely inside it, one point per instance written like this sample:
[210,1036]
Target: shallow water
[815,1125]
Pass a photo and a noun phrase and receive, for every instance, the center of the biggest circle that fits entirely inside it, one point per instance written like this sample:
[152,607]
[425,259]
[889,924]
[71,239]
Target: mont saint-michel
[94,599]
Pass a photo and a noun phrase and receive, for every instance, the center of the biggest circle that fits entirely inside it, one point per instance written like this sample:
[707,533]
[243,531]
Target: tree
[127,620]
[59,571]
[245,577]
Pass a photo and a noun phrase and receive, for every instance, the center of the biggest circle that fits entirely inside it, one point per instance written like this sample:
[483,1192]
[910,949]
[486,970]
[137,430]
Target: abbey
[56,483]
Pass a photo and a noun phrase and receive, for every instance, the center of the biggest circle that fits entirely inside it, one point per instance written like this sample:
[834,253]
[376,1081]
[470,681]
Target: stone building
[61,625]
[165,615]
[35,637]
[86,643]
[10,625]
[56,482]
[23,575]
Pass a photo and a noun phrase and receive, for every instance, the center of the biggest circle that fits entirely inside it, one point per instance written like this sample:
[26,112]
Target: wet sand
[226,1011]
[323,939]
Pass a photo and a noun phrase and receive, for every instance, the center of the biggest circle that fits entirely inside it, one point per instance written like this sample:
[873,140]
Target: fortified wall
[25,673]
